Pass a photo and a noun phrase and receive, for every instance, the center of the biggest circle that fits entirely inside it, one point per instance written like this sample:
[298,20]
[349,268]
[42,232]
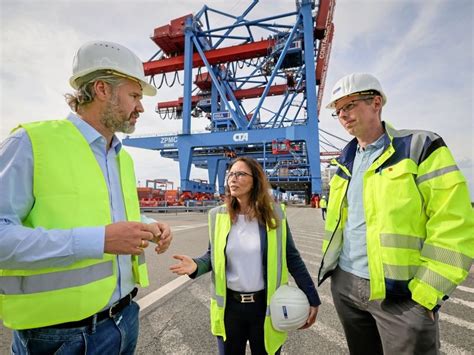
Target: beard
[116,119]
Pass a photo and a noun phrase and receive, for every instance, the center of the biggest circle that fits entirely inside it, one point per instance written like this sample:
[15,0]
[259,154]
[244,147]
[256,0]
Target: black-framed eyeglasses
[237,174]
[349,106]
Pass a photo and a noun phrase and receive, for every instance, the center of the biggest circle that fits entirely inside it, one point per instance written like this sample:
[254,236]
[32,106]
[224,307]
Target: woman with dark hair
[250,253]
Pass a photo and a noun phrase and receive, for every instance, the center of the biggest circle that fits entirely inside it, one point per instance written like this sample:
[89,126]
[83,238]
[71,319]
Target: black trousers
[243,322]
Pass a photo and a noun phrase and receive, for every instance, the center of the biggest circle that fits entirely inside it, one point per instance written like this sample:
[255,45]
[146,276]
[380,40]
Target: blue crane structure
[259,82]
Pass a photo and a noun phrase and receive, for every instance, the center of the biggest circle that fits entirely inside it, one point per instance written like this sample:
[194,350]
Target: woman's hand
[186,265]
[313,312]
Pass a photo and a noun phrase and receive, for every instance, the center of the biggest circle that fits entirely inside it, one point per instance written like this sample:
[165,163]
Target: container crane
[256,81]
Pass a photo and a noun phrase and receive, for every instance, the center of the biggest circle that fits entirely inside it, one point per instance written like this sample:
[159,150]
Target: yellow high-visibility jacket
[419,219]
[70,191]
[323,203]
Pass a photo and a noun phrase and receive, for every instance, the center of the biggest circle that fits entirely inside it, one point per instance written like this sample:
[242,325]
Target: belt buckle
[247,298]
[111,310]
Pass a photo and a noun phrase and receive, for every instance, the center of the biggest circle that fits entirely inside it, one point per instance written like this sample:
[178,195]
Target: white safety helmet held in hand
[356,84]
[100,55]
[289,308]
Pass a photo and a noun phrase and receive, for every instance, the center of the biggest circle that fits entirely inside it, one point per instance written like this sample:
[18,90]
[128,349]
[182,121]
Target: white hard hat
[100,55]
[289,308]
[356,84]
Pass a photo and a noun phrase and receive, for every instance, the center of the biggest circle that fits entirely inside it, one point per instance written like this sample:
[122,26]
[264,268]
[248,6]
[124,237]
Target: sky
[421,51]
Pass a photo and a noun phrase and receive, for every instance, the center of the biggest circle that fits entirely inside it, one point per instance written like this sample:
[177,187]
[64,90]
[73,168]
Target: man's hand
[127,238]
[186,265]
[155,230]
[163,237]
[313,312]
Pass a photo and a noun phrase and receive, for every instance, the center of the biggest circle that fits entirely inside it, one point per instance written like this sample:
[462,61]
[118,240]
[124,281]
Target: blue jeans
[116,335]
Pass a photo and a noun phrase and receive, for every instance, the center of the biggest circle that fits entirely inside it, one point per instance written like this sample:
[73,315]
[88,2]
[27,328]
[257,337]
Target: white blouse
[244,268]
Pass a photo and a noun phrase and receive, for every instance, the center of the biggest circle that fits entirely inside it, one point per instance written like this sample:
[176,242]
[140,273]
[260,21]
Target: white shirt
[244,268]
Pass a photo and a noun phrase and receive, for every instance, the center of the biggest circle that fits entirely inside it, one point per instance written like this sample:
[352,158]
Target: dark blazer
[296,265]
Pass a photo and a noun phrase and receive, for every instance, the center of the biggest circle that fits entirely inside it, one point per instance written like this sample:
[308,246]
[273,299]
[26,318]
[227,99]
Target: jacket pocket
[397,196]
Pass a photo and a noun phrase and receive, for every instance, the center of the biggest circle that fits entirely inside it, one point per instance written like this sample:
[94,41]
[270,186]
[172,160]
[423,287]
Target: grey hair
[85,93]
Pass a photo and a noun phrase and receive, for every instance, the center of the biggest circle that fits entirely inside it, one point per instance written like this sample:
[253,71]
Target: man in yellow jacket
[399,229]
[71,234]
[323,204]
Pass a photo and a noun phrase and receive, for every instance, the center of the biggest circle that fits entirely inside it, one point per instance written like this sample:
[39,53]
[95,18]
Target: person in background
[315,201]
[249,240]
[399,228]
[71,236]
[323,205]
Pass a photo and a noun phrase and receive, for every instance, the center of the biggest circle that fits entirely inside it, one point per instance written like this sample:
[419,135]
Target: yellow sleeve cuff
[424,294]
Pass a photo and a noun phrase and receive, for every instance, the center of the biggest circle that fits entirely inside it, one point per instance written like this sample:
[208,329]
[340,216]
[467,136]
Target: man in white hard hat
[398,229]
[71,236]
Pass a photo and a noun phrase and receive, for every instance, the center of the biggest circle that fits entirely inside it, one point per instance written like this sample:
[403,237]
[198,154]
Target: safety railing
[190,206]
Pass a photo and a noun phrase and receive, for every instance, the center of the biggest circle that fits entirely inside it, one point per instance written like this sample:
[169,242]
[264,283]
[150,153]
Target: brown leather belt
[95,318]
[247,297]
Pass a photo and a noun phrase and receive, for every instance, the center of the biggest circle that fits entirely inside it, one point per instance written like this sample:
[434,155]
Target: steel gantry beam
[215,56]
[239,94]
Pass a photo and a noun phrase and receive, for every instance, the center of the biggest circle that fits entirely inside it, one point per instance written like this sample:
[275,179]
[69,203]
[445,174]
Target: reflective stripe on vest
[70,191]
[277,272]
[22,285]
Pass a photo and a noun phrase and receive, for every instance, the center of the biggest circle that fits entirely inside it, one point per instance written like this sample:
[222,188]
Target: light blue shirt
[26,248]
[353,257]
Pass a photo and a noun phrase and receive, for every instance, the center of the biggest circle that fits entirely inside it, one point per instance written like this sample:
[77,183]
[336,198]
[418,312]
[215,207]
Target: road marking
[156,295]
[183,228]
[455,320]
[308,233]
[465,289]
[309,237]
[312,238]
[311,254]
[300,245]
[462,302]
[311,262]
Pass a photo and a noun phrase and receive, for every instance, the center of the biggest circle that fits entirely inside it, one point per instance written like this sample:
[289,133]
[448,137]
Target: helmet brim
[148,89]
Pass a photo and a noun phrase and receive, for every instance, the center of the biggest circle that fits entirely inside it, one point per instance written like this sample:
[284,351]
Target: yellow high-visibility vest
[69,191]
[323,203]
[277,272]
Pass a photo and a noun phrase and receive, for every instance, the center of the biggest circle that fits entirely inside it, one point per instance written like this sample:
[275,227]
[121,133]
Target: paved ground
[175,311]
